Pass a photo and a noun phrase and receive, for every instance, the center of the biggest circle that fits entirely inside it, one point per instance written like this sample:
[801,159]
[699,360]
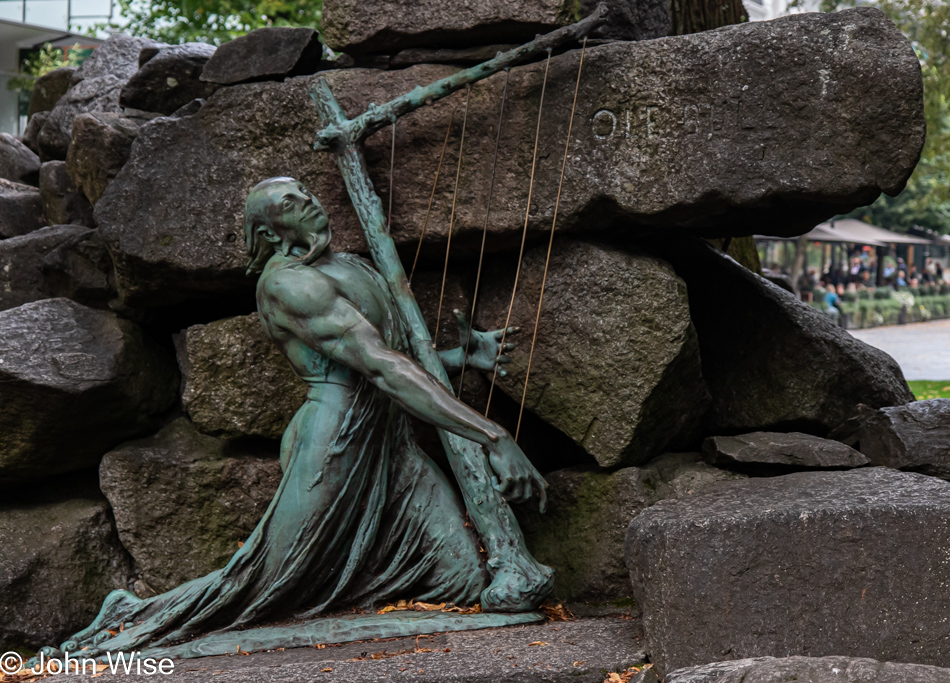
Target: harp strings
[524,232]
[547,260]
[481,253]
[455,194]
[435,183]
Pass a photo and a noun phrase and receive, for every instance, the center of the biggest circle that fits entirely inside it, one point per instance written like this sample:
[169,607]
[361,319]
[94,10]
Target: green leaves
[42,62]
[926,200]
[212,21]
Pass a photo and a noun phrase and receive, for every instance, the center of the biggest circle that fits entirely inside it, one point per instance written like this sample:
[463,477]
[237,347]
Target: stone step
[816,563]
[579,651]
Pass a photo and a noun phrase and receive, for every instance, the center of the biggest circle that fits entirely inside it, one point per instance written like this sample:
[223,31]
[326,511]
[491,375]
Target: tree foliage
[42,62]
[926,200]
[212,21]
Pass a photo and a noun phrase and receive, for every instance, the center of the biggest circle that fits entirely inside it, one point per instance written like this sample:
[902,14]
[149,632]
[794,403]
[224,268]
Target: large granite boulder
[616,364]
[234,380]
[781,450]
[63,203]
[21,209]
[184,502]
[18,162]
[49,87]
[715,133]
[270,53]
[913,437]
[95,87]
[79,268]
[60,559]
[168,78]
[815,563]
[358,27]
[73,383]
[811,669]
[771,362]
[21,263]
[100,146]
[588,513]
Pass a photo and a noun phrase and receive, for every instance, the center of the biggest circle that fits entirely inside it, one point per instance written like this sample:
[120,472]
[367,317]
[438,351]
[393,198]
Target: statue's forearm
[425,397]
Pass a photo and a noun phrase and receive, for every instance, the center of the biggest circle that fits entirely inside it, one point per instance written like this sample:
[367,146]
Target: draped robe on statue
[361,515]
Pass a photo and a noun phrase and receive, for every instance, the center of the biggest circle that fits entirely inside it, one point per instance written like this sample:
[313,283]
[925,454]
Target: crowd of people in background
[861,274]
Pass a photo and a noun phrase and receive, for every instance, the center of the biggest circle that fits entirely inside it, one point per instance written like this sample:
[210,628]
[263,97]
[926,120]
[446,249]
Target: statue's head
[281,215]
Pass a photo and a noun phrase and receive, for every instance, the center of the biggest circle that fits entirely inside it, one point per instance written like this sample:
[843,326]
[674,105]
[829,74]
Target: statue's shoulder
[288,283]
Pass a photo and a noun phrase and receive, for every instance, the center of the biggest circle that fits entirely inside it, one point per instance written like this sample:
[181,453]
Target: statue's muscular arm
[307,304]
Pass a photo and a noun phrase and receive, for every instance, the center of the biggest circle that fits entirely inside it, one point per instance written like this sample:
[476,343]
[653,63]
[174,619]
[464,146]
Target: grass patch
[924,389]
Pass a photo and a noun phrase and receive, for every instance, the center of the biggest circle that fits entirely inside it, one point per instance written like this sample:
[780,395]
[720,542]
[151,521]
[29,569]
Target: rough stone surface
[359,27]
[18,162]
[466,56]
[80,269]
[60,559]
[96,86]
[49,88]
[912,437]
[184,501]
[62,201]
[774,448]
[771,362]
[234,380]
[814,563]
[714,671]
[100,147]
[616,365]
[21,263]
[73,383]
[264,54]
[21,209]
[587,517]
[763,142]
[33,127]
[581,651]
[811,669]
[169,79]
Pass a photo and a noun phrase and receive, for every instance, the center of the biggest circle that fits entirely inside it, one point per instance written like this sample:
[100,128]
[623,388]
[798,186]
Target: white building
[29,24]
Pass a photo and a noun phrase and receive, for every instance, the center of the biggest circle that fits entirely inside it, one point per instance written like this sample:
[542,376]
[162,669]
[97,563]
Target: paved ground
[578,651]
[921,349]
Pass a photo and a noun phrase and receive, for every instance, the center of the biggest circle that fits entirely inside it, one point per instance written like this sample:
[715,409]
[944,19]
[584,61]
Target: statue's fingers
[542,490]
[460,321]
[513,330]
[496,484]
[516,494]
[502,373]
[503,359]
[508,347]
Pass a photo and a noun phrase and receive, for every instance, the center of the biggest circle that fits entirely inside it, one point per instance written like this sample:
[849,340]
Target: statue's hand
[514,475]
[484,348]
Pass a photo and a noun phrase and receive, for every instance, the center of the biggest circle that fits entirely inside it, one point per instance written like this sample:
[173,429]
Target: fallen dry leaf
[538,643]
[556,612]
[326,671]
[625,675]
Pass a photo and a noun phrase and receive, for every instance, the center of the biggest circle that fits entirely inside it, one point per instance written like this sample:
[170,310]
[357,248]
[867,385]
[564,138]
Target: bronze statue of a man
[361,515]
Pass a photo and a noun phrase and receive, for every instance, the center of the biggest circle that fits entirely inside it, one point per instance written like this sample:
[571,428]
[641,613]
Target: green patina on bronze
[361,515]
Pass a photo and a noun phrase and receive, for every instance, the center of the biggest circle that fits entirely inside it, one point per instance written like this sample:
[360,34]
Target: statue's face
[299,216]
